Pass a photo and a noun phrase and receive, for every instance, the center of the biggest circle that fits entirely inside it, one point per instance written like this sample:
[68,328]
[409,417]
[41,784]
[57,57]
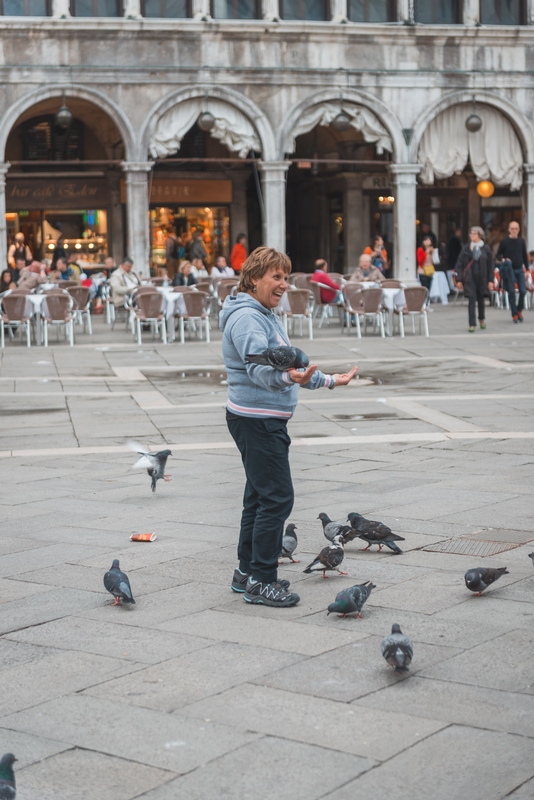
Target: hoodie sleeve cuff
[286,378]
[329,381]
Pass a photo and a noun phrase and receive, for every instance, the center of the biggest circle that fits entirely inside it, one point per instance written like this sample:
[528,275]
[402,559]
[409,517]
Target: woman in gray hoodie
[261,400]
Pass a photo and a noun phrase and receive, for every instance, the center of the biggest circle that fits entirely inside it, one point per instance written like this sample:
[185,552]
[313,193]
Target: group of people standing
[190,249]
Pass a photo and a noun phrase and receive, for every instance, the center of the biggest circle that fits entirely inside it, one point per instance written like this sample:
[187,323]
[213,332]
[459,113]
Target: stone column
[530,12]
[60,9]
[201,9]
[137,205]
[131,9]
[471,12]
[238,212]
[273,185]
[270,10]
[338,10]
[405,239]
[528,218]
[473,203]
[355,227]
[405,11]
[3,228]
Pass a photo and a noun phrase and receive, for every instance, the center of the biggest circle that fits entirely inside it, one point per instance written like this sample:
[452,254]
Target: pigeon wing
[331,557]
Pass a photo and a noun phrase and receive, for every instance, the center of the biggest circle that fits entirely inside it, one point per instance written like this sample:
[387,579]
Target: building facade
[308,125]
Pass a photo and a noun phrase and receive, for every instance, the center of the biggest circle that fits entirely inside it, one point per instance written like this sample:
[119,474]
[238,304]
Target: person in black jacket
[475,272]
[184,276]
[513,249]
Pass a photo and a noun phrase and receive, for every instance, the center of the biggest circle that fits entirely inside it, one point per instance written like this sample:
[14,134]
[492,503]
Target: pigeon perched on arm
[289,544]
[479,578]
[117,584]
[397,649]
[282,358]
[351,600]
[374,532]
[332,529]
[329,558]
[154,463]
[8,790]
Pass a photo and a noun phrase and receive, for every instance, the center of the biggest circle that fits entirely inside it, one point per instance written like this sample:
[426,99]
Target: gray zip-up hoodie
[255,390]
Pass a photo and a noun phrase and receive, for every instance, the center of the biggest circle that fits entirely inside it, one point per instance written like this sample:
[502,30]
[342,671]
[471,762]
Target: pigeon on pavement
[117,584]
[329,558]
[8,789]
[351,600]
[397,649]
[531,555]
[374,532]
[289,544]
[154,463]
[332,529]
[281,358]
[479,578]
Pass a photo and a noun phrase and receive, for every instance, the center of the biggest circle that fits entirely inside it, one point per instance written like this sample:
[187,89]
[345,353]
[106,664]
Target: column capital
[137,166]
[4,166]
[405,169]
[273,166]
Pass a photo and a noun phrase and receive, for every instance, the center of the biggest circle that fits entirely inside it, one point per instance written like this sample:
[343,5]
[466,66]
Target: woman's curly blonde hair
[259,262]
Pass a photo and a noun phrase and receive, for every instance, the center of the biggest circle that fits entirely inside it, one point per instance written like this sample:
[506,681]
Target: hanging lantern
[341,122]
[473,123]
[63,118]
[206,121]
[485,188]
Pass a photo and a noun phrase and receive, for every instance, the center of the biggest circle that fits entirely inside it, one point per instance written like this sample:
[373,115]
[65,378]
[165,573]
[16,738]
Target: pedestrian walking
[475,273]
[513,249]
[239,253]
[425,262]
[261,400]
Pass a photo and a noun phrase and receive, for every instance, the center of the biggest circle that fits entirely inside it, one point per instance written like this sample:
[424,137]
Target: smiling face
[270,287]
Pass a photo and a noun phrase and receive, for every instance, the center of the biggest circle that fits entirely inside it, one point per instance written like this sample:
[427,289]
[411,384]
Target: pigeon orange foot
[116,601]
[166,478]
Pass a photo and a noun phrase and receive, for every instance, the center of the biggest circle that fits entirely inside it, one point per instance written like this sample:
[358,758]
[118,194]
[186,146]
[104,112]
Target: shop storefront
[73,212]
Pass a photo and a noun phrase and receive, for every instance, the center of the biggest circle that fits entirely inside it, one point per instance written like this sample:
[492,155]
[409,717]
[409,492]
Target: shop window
[502,12]
[169,9]
[372,10]
[96,8]
[25,8]
[304,9]
[44,141]
[235,9]
[437,12]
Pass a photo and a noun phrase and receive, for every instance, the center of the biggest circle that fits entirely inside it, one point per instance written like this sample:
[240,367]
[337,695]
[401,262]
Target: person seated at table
[198,269]
[378,253]
[366,271]
[33,276]
[63,272]
[123,281]
[184,276]
[221,269]
[6,281]
[75,267]
[332,294]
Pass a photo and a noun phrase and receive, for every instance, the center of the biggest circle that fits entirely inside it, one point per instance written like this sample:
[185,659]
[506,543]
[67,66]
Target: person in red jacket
[238,256]
[331,295]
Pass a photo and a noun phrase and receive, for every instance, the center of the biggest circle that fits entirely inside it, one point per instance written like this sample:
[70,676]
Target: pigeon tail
[252,358]
[394,547]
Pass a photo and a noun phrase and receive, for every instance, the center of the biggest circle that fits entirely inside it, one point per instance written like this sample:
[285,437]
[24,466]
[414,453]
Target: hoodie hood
[241,300]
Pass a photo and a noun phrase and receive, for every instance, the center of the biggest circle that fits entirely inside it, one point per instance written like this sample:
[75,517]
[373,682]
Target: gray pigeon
[154,463]
[329,558]
[374,532]
[332,529]
[352,600]
[479,578]
[397,649]
[281,358]
[8,790]
[289,544]
[117,584]
[531,555]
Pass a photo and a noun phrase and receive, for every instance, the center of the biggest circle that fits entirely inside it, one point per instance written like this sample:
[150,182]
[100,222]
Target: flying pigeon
[117,584]
[351,600]
[397,649]
[281,358]
[8,789]
[479,578]
[531,555]
[289,544]
[332,529]
[154,462]
[329,558]
[375,533]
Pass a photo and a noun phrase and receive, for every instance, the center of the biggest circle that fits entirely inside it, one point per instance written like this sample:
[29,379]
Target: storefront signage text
[44,194]
[167,190]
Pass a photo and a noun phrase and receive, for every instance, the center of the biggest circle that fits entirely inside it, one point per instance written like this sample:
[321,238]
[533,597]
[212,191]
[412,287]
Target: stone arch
[236,99]
[93,96]
[521,125]
[381,111]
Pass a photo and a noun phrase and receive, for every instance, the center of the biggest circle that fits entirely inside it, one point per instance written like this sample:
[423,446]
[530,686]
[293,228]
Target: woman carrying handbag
[475,273]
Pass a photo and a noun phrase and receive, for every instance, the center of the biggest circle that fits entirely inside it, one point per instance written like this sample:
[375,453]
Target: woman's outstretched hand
[342,380]
[302,377]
